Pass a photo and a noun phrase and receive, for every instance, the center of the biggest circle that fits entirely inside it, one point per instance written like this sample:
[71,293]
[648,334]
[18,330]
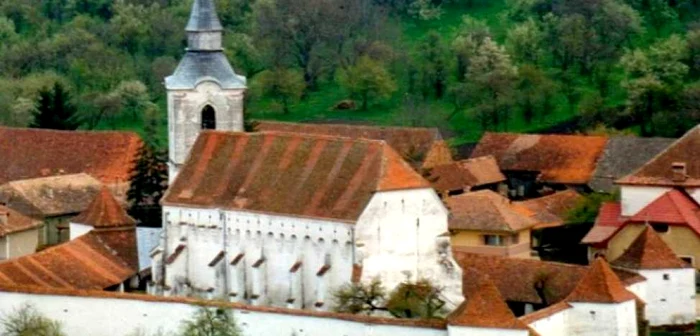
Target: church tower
[204,92]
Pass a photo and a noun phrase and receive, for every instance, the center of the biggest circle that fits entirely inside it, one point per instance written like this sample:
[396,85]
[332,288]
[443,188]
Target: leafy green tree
[420,299]
[55,110]
[693,39]
[432,64]
[211,322]
[8,33]
[471,35]
[367,80]
[534,92]
[285,85]
[360,298]
[524,42]
[586,210]
[28,321]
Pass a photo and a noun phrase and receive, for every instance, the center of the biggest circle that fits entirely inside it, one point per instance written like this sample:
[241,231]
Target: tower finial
[203,17]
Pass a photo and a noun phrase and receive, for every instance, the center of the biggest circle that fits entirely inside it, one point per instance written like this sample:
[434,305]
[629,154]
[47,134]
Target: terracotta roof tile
[104,212]
[649,251]
[486,210]
[600,285]
[658,170]
[551,210]
[465,174]
[50,196]
[87,262]
[423,143]
[483,306]
[518,279]
[330,177]
[33,153]
[12,221]
[567,159]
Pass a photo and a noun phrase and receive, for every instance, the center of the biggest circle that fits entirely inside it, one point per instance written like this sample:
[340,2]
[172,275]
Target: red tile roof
[567,159]
[12,222]
[551,210]
[600,285]
[104,212]
[607,223]
[649,251]
[328,177]
[465,174]
[518,279]
[423,143]
[483,306]
[87,262]
[486,210]
[658,171]
[32,153]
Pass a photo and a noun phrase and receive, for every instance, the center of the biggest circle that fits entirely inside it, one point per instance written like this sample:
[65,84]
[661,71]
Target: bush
[27,321]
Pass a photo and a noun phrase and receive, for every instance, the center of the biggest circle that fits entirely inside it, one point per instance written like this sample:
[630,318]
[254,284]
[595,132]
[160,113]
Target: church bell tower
[204,92]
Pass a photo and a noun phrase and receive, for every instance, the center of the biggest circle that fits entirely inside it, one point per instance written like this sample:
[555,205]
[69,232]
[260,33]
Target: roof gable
[483,306]
[465,174]
[289,174]
[33,153]
[649,251]
[673,207]
[50,196]
[104,212]
[567,159]
[486,210]
[600,285]
[12,221]
[658,170]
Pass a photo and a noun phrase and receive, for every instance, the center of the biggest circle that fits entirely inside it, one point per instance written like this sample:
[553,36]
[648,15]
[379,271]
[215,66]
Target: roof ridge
[48,130]
[379,127]
[600,285]
[300,135]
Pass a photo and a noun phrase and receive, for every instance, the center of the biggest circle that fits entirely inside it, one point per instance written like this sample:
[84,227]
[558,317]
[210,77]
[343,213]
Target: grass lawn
[661,333]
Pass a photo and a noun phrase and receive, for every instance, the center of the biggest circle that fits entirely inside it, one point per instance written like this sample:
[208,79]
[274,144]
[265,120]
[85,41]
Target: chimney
[679,170]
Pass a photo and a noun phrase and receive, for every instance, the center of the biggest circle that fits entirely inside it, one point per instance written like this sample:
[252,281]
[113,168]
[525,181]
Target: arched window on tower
[208,118]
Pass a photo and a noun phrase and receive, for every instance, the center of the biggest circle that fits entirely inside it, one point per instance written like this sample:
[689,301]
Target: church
[283,219]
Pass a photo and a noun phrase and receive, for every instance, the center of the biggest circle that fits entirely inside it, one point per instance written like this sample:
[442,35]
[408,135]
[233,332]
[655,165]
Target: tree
[360,298]
[27,321]
[211,322]
[432,65]
[285,85]
[534,92]
[416,300]
[524,42]
[367,80]
[55,110]
[693,39]
[586,210]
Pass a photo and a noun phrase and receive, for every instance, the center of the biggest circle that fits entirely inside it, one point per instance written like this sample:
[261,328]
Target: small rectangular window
[667,277]
[493,240]
[660,228]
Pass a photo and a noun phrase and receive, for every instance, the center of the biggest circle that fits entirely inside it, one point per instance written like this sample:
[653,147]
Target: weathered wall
[596,319]
[682,240]
[670,296]
[185,116]
[553,325]
[117,317]
[473,242]
[634,198]
[23,243]
[403,235]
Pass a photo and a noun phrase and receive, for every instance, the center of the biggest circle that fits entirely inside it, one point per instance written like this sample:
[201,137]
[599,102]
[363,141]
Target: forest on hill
[466,66]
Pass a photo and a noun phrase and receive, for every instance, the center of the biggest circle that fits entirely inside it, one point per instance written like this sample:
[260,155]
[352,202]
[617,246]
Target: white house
[285,219]
[670,291]
[19,234]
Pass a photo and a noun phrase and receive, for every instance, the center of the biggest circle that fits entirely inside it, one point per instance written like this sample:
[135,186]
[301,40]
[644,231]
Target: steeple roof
[648,251]
[600,285]
[105,212]
[483,306]
[203,17]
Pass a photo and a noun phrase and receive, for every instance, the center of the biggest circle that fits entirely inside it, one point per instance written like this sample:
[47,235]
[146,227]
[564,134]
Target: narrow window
[667,277]
[493,240]
[208,118]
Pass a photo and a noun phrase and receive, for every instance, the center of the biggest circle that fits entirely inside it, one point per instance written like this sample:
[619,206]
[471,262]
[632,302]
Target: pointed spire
[483,307]
[105,212]
[600,285]
[649,251]
[203,17]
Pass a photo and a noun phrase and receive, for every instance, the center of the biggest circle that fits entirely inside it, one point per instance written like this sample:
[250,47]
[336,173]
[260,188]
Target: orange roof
[485,210]
[517,279]
[658,171]
[551,210]
[423,144]
[12,221]
[32,153]
[600,285]
[483,306]
[104,212]
[649,251]
[87,262]
[567,159]
[291,174]
[465,174]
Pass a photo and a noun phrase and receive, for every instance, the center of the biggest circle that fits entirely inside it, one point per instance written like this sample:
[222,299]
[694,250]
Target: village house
[488,223]
[455,178]
[52,201]
[423,148]
[552,210]
[535,164]
[19,234]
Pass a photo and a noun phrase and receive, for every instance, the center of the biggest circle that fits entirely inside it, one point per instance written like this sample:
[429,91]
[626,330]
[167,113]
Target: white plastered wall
[602,319]
[400,236]
[553,325]
[670,296]
[640,289]
[634,198]
[76,230]
[469,331]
